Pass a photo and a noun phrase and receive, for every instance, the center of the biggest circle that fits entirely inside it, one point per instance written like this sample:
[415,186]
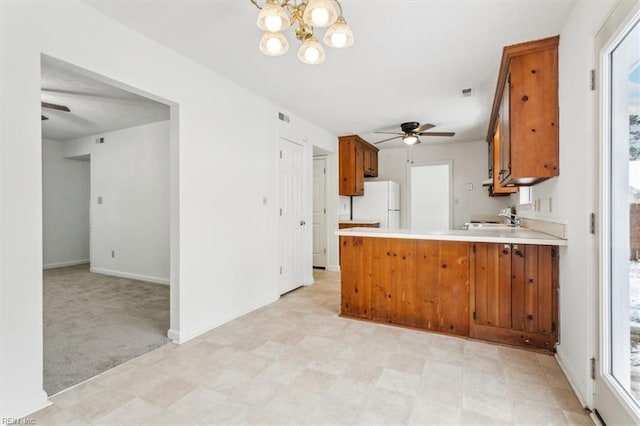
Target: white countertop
[501,235]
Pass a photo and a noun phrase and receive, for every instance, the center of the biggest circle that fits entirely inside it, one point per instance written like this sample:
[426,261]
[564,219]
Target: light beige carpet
[93,322]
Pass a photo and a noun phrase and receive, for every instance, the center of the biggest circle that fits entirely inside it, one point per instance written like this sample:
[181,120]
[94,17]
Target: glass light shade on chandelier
[273,44]
[311,52]
[320,13]
[273,17]
[308,16]
[410,139]
[339,35]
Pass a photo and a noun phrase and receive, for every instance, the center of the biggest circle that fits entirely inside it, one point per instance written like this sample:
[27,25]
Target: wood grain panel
[517,287]
[545,290]
[531,311]
[406,293]
[427,287]
[356,278]
[493,284]
[454,288]
[480,283]
[504,286]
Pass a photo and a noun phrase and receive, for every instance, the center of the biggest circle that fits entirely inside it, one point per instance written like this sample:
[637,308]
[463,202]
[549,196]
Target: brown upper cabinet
[523,128]
[358,159]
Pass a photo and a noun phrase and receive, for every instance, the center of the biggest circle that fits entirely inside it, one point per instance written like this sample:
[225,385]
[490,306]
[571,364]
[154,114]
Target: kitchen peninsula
[497,285]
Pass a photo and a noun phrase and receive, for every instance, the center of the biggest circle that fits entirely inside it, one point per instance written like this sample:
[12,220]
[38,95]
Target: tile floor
[296,362]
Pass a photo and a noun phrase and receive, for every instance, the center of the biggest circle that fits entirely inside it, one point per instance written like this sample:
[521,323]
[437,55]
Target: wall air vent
[283,117]
[467,92]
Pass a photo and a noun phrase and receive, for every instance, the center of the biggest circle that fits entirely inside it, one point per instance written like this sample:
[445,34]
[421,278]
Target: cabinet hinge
[553,326]
[592,79]
[281,270]
[324,171]
[280,212]
[553,252]
[324,211]
[281,155]
[509,78]
[474,314]
[593,368]
[325,251]
[592,223]
[474,248]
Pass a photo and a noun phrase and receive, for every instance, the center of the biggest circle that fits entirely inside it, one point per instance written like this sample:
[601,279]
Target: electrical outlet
[100,200]
[113,253]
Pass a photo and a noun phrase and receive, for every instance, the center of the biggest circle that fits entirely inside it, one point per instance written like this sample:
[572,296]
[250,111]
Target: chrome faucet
[514,220]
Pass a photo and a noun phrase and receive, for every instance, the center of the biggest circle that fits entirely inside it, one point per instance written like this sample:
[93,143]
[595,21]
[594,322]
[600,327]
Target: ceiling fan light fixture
[311,52]
[273,17]
[339,35]
[319,13]
[410,139]
[273,44]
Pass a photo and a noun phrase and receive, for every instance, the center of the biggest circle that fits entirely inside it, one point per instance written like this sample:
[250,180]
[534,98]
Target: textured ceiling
[96,107]
[410,61]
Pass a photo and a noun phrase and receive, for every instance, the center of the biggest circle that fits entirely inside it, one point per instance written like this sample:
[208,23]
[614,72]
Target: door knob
[302,223]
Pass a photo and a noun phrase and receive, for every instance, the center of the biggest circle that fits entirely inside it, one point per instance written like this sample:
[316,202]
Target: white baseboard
[63,264]
[570,374]
[185,337]
[23,405]
[138,277]
[333,268]
[174,335]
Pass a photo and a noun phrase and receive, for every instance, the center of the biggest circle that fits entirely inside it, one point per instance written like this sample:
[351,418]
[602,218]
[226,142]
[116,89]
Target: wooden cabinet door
[534,109]
[491,292]
[358,181]
[370,161]
[351,164]
[513,294]
[504,123]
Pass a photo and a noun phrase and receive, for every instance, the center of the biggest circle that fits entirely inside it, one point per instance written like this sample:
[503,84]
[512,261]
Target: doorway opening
[430,195]
[319,211]
[617,382]
[108,217]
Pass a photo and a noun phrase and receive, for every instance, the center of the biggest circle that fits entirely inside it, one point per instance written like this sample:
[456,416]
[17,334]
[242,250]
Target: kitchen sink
[486,226]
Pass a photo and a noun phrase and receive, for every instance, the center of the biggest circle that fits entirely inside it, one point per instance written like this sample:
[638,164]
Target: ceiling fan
[410,132]
[53,106]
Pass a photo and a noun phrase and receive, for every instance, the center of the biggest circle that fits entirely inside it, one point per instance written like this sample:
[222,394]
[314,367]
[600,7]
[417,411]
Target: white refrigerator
[380,202]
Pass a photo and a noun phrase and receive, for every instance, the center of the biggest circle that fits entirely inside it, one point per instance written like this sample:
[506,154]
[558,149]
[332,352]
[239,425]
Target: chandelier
[278,15]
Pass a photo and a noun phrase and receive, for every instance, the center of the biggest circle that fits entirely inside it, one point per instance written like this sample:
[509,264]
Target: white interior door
[292,222]
[617,382]
[430,196]
[319,213]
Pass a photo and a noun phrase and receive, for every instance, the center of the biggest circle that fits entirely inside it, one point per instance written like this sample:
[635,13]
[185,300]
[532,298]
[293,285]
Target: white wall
[572,193]
[130,172]
[469,166]
[223,242]
[65,207]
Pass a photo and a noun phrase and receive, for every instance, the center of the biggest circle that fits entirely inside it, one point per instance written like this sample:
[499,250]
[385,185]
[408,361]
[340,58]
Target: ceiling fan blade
[55,106]
[387,140]
[43,117]
[437,134]
[425,126]
[390,133]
